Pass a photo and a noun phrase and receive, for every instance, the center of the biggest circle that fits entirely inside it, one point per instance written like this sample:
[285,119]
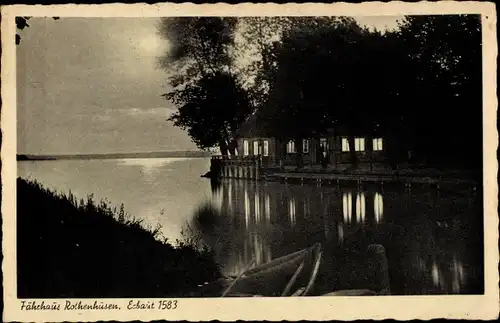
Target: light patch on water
[347,206]
[360,207]
[378,207]
[149,165]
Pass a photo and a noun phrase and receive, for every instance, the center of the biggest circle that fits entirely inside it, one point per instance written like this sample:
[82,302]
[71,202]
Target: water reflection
[291,212]
[347,203]
[269,220]
[360,207]
[378,207]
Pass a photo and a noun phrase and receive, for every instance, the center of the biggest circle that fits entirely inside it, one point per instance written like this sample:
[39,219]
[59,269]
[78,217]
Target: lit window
[255,147]
[377,144]
[245,148]
[266,148]
[345,144]
[290,147]
[305,146]
[359,144]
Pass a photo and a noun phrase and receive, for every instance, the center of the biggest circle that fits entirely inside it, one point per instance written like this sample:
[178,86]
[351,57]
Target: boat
[290,275]
[295,275]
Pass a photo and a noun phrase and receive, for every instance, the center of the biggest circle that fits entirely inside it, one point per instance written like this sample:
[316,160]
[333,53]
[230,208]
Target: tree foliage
[210,109]
[21,23]
[210,99]
[419,85]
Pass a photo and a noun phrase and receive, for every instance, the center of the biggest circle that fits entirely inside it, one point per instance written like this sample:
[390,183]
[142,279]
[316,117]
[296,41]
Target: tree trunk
[223,148]
[233,147]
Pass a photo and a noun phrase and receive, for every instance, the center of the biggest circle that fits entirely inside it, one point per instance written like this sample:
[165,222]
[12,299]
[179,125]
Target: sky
[91,85]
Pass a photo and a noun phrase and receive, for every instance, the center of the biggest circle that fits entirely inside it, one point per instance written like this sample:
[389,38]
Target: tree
[211,109]
[21,23]
[315,82]
[445,51]
[205,85]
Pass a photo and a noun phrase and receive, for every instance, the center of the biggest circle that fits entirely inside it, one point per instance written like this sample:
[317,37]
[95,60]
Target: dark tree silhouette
[445,54]
[418,86]
[211,109]
[315,82]
[21,23]
[206,89]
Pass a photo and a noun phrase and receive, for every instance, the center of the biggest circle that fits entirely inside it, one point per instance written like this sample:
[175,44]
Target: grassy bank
[71,248]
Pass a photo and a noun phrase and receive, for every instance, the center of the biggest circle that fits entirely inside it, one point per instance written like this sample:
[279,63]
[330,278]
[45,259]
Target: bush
[70,248]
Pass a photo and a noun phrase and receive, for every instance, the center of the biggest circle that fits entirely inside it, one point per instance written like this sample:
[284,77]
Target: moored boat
[293,274]
[296,275]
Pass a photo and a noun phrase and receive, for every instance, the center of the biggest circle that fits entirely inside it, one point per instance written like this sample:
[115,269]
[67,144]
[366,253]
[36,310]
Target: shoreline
[91,249]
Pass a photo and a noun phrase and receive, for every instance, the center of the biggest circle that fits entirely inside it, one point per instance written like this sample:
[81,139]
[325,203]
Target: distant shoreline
[166,154]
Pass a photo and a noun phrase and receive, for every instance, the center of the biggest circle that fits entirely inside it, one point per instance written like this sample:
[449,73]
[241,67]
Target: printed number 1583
[167,305]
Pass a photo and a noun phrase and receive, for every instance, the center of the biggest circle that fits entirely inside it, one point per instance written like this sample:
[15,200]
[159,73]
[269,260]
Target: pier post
[379,269]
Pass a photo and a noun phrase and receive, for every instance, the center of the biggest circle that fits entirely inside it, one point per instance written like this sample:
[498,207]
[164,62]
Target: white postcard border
[304,308]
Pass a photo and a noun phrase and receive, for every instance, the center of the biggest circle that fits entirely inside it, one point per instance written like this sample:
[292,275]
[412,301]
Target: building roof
[252,128]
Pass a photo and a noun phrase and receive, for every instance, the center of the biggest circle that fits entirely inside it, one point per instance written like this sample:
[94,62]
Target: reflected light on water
[458,275]
[247,208]
[360,207]
[340,228]
[268,207]
[177,188]
[257,207]
[291,211]
[230,196]
[347,206]
[378,207]
[435,272]
[149,165]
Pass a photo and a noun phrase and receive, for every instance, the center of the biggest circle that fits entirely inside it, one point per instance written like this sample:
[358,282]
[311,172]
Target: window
[256,148]
[245,148]
[266,148]
[359,144]
[290,147]
[377,144]
[305,146]
[345,144]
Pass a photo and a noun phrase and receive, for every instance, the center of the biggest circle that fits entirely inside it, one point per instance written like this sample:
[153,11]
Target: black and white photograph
[170,158]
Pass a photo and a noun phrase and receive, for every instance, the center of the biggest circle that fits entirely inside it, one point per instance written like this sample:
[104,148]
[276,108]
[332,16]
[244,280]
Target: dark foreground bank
[69,248]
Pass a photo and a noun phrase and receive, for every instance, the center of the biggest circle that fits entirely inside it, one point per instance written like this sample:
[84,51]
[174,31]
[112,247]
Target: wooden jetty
[253,168]
[333,178]
[248,167]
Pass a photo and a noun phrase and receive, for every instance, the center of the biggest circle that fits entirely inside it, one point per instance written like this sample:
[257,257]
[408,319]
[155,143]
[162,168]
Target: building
[330,149]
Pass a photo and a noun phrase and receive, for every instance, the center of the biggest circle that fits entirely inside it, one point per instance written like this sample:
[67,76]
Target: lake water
[433,239]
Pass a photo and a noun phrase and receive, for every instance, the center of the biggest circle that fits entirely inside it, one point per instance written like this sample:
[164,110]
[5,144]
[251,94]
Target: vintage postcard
[249,162]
